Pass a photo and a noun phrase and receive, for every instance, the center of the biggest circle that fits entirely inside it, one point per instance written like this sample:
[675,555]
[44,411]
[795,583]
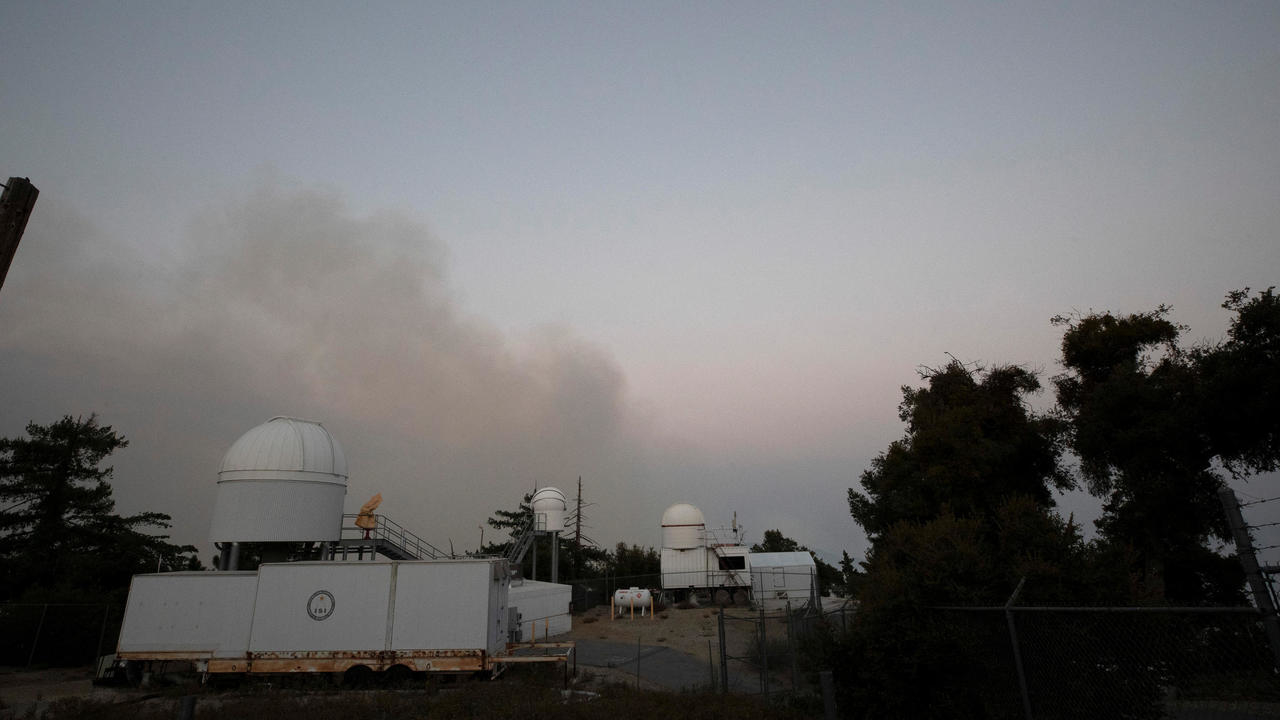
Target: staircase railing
[522,543]
[393,533]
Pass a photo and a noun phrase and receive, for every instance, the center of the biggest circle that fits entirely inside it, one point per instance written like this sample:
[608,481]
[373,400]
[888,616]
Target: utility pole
[1249,562]
[577,531]
[16,202]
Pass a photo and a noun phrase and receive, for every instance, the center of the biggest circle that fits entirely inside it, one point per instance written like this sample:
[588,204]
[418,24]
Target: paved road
[662,665]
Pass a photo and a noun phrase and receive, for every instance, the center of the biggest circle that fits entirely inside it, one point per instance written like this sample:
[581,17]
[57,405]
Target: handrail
[393,532]
[520,543]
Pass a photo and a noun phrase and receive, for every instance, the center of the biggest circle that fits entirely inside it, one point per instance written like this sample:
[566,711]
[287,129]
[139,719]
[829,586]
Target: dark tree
[970,442]
[634,560]
[1240,402]
[775,541]
[830,579]
[1136,405]
[59,534]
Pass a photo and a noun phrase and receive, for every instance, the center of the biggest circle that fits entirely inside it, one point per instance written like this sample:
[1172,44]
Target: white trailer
[184,615]
[780,578]
[543,609]
[425,616]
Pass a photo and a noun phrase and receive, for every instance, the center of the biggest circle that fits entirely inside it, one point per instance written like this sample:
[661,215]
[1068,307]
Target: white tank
[283,481]
[683,527]
[550,509]
[624,600]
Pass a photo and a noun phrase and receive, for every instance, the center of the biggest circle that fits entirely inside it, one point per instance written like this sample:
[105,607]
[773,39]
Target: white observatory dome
[283,481]
[683,527]
[550,509]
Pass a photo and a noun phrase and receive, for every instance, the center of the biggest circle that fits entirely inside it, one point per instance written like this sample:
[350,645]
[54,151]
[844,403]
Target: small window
[733,562]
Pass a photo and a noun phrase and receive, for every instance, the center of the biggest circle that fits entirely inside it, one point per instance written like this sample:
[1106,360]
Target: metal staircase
[387,538]
[522,543]
[718,539]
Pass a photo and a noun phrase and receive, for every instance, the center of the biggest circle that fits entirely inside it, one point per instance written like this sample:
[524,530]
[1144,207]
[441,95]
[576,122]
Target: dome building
[283,481]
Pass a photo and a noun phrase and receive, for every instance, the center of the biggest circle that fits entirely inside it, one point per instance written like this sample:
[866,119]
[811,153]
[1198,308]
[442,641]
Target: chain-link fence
[770,645]
[63,634]
[1046,662]
[591,592]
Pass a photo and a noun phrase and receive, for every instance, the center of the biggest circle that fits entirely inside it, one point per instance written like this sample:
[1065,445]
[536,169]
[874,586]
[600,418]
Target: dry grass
[488,700]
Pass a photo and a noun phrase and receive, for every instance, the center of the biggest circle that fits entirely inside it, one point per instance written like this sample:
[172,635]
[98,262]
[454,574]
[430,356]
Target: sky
[688,252]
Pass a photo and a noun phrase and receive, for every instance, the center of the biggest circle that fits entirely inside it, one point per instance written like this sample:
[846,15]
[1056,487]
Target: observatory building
[283,481]
[306,608]
[695,558]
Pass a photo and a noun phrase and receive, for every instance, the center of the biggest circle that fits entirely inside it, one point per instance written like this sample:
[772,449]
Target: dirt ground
[692,631]
[688,631]
[21,689]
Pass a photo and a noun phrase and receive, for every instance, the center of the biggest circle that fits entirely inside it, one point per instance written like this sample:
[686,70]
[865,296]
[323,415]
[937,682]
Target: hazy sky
[689,252]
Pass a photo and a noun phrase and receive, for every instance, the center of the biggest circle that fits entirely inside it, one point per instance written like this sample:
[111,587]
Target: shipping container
[189,615]
[439,615]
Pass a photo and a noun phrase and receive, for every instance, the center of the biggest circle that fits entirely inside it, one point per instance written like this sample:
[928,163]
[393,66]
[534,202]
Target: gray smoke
[286,303]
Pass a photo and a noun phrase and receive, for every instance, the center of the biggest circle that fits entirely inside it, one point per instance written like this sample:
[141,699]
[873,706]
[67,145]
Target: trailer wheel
[397,676]
[358,676]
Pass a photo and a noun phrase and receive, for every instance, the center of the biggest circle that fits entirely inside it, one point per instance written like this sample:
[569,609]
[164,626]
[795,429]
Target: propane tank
[625,600]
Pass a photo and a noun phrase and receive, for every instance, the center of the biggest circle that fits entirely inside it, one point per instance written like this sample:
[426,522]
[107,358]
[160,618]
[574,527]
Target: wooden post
[16,202]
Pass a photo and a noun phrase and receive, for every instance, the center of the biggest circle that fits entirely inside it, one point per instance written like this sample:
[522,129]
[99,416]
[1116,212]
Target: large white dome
[283,481]
[285,448]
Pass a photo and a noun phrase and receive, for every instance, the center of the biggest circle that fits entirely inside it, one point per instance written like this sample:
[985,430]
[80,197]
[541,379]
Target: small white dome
[682,514]
[285,448]
[549,508]
[683,527]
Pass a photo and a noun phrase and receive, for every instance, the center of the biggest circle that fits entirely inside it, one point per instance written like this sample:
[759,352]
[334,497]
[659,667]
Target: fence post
[724,664]
[828,695]
[1017,652]
[764,656]
[35,642]
[1249,563]
[791,647]
[102,634]
[711,666]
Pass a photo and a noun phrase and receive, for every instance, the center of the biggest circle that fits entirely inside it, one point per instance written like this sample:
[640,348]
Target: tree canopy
[1152,422]
[59,533]
[970,441]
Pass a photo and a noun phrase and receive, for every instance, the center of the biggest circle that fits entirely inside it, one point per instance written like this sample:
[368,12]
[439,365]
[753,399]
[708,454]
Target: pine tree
[59,532]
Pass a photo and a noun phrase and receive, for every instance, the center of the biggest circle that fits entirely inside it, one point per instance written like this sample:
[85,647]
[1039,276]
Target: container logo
[321,604]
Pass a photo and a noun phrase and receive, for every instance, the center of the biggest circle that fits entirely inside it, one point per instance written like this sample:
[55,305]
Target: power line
[1270,524]
[1259,502]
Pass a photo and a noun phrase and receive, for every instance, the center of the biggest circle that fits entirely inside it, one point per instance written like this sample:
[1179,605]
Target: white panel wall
[277,511]
[450,605]
[358,619]
[197,612]
[544,609]
[685,568]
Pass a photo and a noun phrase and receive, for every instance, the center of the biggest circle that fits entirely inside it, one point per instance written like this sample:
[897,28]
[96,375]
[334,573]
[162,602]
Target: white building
[695,558]
[780,578]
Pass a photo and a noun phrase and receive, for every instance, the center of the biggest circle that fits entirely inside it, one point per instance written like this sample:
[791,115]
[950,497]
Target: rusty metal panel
[196,614]
[322,606]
